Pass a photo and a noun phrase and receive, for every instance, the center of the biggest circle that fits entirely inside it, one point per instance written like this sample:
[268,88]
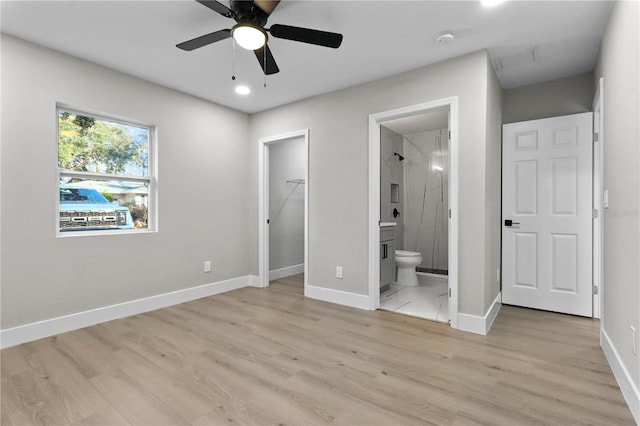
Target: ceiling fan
[250,32]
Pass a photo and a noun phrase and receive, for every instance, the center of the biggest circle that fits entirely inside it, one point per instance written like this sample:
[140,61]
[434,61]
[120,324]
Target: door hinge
[596,136]
[449,134]
[449,292]
[595,289]
[595,213]
[449,213]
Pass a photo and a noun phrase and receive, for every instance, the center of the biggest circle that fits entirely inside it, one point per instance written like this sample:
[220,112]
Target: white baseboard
[493,312]
[276,274]
[354,300]
[37,330]
[620,372]
[254,281]
[477,324]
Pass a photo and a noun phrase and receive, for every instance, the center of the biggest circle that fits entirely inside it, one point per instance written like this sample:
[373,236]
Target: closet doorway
[284,206]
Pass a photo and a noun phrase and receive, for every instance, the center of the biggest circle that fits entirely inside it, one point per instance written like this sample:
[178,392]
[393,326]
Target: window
[105,178]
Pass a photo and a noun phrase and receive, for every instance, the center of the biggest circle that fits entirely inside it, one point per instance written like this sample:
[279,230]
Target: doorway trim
[375,120]
[598,190]
[263,202]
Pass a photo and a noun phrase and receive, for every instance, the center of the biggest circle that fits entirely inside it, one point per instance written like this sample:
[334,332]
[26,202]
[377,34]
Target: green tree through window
[86,144]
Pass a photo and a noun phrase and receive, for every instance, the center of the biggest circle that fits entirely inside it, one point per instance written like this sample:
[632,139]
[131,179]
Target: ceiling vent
[519,59]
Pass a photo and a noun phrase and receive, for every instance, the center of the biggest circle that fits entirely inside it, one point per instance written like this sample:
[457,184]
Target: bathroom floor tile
[428,300]
[443,312]
[394,298]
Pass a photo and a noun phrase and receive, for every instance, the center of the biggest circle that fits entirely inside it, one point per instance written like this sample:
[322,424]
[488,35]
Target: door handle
[385,253]
[509,222]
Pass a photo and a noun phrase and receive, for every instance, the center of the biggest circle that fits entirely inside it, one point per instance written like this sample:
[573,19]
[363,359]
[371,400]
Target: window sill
[72,234]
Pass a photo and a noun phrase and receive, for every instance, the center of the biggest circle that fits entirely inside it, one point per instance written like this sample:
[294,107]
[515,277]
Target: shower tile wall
[391,171]
[425,201]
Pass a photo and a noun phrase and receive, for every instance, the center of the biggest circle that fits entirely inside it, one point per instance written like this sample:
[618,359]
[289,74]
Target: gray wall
[391,171]
[564,96]
[286,203]
[208,204]
[493,195]
[618,64]
[203,183]
[338,171]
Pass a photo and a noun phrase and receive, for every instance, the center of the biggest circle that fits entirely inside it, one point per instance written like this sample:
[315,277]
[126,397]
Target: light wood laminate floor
[270,356]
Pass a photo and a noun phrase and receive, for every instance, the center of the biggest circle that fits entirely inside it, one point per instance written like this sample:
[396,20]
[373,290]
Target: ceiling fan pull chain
[233,59]
[264,58]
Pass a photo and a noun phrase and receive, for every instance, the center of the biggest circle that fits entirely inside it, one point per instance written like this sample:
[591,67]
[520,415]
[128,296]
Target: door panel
[547,190]
[526,262]
[564,185]
[526,191]
[564,263]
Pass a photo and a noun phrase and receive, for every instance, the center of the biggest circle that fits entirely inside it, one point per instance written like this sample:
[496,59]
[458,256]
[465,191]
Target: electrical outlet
[339,272]
[207,266]
[634,340]
[498,275]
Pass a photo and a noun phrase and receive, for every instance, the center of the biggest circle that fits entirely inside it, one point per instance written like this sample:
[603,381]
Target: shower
[400,157]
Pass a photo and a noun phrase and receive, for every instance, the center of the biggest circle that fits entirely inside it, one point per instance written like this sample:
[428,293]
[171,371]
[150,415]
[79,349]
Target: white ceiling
[381,38]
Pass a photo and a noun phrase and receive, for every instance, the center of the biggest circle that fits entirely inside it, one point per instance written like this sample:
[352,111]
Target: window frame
[150,179]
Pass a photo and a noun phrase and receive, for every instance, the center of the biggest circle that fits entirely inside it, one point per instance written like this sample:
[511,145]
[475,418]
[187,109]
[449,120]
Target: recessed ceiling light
[444,38]
[491,3]
[242,90]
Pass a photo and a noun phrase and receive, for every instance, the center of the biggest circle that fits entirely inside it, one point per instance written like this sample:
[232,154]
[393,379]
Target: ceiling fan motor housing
[247,13]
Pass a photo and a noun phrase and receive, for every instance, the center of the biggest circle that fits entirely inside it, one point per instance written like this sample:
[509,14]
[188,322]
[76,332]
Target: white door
[546,194]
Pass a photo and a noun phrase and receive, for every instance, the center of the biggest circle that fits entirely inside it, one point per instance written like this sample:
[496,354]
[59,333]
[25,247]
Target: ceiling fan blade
[217,7]
[267,6]
[306,35]
[271,66]
[204,40]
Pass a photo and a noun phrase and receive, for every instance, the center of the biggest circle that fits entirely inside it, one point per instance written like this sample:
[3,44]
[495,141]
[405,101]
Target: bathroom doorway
[413,152]
[283,199]
[414,166]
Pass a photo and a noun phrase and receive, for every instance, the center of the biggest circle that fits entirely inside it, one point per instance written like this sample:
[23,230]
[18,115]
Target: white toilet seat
[406,253]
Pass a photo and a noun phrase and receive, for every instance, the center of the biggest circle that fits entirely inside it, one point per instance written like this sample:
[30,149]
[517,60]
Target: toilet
[407,262]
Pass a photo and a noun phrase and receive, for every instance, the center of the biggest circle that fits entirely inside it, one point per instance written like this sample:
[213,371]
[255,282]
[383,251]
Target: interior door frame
[263,201]
[375,120]
[598,191]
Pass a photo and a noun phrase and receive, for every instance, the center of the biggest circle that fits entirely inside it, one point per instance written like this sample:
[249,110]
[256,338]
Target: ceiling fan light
[249,37]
